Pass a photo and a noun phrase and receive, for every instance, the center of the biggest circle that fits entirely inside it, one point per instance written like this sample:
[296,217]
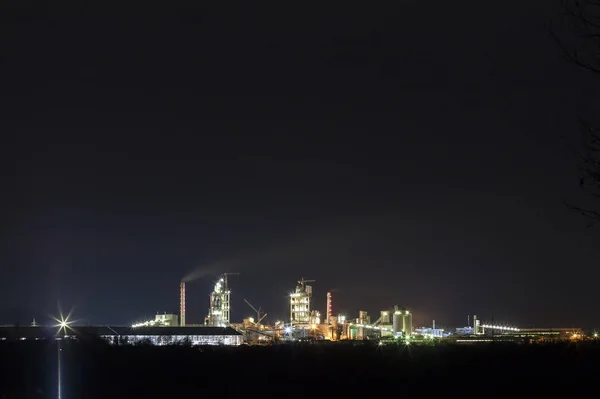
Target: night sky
[416,155]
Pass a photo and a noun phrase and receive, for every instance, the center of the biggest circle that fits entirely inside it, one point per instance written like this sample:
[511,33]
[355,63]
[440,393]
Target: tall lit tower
[182,304]
[329,310]
[300,303]
[407,326]
[220,304]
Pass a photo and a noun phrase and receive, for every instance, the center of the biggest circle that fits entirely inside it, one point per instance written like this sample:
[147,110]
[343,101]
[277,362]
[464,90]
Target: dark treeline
[94,370]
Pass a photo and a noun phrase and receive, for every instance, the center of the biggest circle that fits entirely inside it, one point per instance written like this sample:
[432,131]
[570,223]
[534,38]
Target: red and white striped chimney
[329,309]
[182,304]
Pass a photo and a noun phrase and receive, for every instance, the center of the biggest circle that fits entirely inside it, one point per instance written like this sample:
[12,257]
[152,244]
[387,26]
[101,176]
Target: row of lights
[373,327]
[503,328]
[148,323]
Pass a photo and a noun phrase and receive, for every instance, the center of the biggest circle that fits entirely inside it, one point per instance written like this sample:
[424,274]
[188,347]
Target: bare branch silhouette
[581,46]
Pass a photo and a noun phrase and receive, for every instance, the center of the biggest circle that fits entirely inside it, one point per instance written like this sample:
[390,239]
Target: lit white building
[465,331]
[220,304]
[173,336]
[402,322]
[430,332]
[300,303]
[119,335]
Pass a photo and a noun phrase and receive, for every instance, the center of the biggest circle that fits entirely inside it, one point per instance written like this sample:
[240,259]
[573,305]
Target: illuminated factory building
[487,332]
[306,322]
[402,322]
[300,303]
[119,335]
[394,325]
[220,304]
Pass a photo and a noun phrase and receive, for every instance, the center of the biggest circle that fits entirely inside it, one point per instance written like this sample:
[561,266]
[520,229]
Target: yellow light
[314,326]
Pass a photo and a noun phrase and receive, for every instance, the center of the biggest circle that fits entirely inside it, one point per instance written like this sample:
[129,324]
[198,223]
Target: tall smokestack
[182,304]
[329,309]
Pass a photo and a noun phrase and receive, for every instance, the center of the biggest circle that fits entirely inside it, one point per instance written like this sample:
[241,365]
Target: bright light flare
[63,322]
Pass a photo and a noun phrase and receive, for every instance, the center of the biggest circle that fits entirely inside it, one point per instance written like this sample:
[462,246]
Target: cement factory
[305,324]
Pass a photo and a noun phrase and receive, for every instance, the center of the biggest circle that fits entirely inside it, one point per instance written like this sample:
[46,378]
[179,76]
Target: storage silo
[397,322]
[407,326]
[352,332]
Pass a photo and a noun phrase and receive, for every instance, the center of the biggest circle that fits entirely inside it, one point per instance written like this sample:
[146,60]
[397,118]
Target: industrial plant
[306,323]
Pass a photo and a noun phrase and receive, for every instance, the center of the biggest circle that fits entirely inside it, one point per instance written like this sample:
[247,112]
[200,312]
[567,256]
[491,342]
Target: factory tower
[300,303]
[220,304]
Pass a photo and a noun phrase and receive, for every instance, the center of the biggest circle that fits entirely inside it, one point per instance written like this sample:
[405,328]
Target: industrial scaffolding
[220,303]
[300,303]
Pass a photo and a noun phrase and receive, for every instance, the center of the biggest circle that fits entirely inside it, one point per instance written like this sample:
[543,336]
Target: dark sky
[414,155]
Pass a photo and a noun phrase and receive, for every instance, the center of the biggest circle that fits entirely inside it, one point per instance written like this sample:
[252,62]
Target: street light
[63,324]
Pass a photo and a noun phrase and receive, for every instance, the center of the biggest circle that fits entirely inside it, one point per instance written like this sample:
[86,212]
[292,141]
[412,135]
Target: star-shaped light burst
[63,323]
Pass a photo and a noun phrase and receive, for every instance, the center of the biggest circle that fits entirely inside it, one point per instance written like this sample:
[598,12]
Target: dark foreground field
[29,370]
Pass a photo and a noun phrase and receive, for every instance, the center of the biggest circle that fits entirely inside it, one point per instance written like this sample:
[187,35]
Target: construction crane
[259,318]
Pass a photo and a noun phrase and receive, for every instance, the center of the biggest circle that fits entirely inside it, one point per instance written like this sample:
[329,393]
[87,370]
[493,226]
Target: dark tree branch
[591,215]
[582,12]
[585,53]
[572,55]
